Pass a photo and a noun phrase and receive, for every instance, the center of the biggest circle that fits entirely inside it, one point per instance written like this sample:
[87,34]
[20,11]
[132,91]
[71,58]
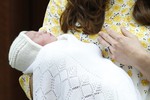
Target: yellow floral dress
[119,13]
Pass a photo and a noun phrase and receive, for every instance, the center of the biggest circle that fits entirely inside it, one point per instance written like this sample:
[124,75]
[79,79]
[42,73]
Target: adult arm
[126,49]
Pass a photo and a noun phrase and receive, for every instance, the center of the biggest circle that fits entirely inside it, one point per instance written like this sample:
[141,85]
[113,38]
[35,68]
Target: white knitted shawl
[72,70]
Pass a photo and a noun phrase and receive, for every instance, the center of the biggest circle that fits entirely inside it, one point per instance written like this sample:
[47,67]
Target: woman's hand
[125,49]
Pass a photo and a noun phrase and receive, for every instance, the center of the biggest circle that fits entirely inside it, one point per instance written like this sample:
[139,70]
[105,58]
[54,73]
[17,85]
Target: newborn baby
[73,70]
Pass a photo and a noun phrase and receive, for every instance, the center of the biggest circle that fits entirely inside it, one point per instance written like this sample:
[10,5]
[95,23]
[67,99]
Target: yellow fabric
[24,83]
[118,14]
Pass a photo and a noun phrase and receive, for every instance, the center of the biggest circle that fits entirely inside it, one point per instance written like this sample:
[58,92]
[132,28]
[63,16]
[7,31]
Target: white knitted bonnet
[23,52]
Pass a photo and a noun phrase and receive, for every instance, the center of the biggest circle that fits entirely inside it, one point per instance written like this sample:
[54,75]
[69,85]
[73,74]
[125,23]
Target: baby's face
[41,38]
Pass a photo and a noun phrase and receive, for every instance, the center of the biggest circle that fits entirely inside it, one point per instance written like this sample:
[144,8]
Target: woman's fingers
[126,32]
[111,51]
[107,38]
[107,41]
[103,42]
[117,36]
[113,34]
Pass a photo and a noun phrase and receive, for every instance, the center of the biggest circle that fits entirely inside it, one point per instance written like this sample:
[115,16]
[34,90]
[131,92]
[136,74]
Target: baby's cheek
[48,39]
[39,41]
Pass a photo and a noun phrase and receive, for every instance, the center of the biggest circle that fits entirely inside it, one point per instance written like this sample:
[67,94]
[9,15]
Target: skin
[42,38]
[126,49]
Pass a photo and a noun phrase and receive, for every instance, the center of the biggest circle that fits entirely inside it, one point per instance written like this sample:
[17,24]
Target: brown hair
[89,14]
[141,12]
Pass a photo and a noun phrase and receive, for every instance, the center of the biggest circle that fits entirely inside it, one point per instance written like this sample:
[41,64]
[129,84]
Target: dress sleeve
[52,17]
